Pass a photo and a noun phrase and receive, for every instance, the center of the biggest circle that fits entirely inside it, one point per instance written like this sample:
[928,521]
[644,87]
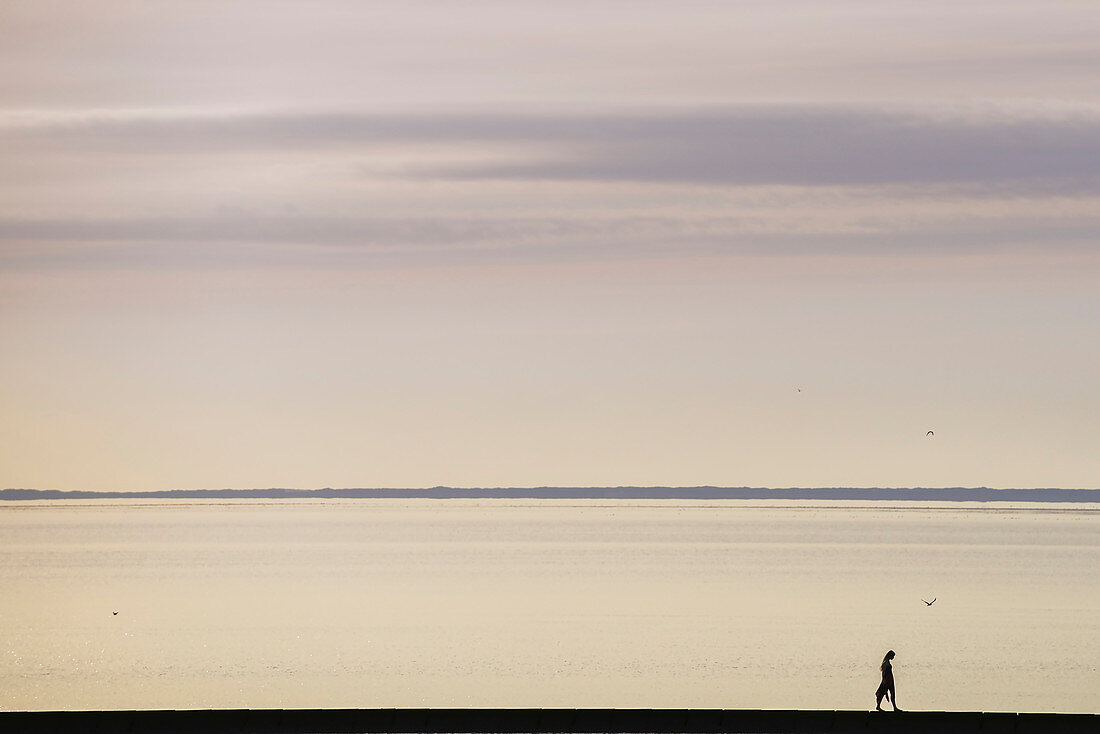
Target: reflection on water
[362,603]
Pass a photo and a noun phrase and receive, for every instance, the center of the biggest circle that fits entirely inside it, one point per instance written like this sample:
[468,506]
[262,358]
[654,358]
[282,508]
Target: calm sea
[546,603]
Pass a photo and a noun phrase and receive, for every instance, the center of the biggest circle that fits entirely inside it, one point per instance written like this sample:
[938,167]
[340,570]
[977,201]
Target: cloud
[335,231]
[239,240]
[858,181]
[817,148]
[747,145]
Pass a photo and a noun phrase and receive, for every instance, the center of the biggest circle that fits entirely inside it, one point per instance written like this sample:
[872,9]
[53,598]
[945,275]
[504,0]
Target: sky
[354,244]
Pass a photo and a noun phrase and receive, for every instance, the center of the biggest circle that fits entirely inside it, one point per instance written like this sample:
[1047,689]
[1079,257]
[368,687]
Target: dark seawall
[493,721]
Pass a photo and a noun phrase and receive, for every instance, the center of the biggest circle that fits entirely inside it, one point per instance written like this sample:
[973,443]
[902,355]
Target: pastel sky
[352,244]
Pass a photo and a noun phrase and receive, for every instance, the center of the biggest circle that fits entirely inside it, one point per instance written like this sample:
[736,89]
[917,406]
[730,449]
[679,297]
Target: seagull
[930,603]
[930,433]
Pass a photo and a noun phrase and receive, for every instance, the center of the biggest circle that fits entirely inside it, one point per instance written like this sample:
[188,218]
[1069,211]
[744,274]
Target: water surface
[364,603]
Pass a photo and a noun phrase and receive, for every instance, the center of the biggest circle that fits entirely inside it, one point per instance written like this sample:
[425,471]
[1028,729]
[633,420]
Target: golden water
[364,603]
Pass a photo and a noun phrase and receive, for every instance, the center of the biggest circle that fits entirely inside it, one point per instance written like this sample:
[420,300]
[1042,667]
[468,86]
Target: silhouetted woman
[886,688]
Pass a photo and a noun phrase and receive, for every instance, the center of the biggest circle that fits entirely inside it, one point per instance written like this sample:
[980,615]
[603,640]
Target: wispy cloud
[292,241]
[749,145]
[196,188]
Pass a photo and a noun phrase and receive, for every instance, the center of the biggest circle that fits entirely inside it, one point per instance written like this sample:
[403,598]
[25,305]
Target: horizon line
[702,492]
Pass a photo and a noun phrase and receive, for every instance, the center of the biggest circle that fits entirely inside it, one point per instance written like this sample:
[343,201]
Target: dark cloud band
[786,145]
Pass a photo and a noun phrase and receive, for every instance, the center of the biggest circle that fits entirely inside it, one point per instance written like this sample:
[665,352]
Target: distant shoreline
[909,494]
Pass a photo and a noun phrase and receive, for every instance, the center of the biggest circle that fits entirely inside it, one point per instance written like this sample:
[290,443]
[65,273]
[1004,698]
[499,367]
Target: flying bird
[930,433]
[929,603]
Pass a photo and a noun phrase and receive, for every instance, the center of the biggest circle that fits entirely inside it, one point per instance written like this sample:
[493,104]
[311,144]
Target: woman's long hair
[885,657]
